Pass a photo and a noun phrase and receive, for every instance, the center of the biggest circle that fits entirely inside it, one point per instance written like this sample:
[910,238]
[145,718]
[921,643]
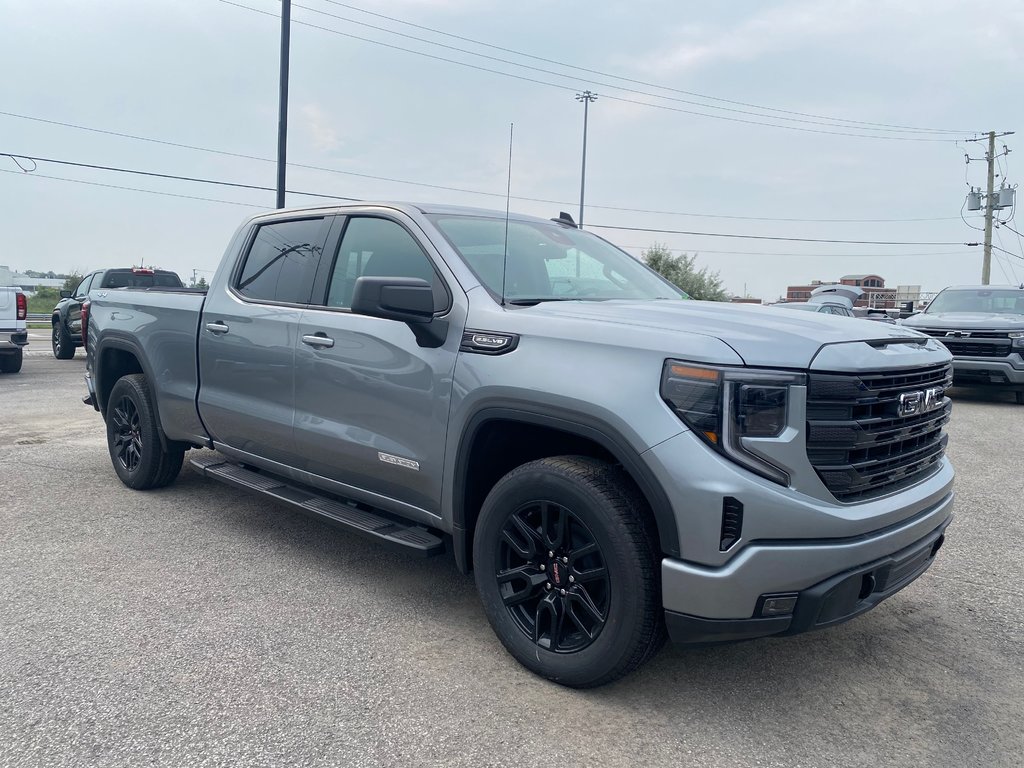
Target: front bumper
[832,601]
[13,339]
[972,371]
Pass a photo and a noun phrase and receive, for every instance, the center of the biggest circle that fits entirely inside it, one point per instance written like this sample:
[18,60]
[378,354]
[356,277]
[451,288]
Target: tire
[592,612]
[138,456]
[63,346]
[1020,397]
[11,362]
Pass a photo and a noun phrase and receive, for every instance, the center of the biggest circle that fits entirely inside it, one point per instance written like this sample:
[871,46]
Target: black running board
[356,518]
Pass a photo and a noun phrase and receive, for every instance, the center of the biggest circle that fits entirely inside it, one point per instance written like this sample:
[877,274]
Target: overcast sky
[204,73]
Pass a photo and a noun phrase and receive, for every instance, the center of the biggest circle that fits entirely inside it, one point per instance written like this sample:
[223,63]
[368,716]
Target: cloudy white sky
[204,73]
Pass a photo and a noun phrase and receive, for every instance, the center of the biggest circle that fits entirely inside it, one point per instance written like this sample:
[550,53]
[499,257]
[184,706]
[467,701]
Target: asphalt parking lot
[197,626]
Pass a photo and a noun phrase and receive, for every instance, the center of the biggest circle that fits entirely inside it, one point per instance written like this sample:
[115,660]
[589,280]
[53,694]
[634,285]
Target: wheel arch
[118,357]
[475,473]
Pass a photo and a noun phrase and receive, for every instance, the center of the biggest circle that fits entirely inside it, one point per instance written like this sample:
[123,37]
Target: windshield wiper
[537,300]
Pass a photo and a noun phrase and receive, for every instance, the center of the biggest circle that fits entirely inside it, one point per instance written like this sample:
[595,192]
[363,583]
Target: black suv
[67,315]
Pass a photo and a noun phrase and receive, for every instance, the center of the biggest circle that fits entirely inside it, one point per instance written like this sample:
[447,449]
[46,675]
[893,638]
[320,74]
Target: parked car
[607,457]
[983,326]
[13,332]
[67,315]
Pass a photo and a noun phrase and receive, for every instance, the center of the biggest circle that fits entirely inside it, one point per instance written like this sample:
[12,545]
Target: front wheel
[568,572]
[138,456]
[63,346]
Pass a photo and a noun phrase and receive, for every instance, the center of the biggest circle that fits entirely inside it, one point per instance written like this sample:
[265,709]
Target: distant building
[875,293]
[9,277]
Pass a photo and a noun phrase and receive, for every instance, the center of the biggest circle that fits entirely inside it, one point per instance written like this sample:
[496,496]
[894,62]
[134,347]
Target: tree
[681,270]
[71,281]
[202,283]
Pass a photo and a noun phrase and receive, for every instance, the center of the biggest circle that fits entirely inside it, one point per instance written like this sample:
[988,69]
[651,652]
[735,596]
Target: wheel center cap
[557,573]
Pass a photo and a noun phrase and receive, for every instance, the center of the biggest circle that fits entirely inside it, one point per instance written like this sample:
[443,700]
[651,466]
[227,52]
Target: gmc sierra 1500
[607,457]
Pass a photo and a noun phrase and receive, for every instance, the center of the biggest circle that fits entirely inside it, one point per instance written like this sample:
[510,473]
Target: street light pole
[586,97]
[282,109]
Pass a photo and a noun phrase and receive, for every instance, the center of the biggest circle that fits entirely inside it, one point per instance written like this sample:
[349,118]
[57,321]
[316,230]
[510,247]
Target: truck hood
[994,321]
[760,335]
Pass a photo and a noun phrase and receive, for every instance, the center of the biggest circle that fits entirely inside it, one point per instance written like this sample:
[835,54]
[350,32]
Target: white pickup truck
[13,336]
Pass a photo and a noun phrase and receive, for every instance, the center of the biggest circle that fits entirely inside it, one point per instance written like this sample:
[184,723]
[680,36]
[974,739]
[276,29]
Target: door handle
[217,327]
[318,340]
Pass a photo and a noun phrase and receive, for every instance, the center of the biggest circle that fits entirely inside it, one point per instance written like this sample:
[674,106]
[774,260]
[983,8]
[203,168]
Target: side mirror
[406,299]
[66,294]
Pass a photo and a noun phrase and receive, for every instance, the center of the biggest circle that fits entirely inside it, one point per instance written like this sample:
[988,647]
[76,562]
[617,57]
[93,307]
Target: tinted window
[126,278]
[378,248]
[282,262]
[1000,300]
[83,287]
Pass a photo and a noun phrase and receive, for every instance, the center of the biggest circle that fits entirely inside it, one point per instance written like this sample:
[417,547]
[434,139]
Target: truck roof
[427,208]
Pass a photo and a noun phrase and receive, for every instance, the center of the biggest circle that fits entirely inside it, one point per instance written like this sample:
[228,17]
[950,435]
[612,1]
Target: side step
[359,519]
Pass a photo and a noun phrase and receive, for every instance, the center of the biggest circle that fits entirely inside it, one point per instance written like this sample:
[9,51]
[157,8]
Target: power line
[768,237]
[130,189]
[317,195]
[787,253]
[306,166]
[637,82]
[169,176]
[825,122]
[566,87]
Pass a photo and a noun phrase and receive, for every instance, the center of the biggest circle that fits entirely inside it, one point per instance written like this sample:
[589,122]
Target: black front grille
[941,333]
[858,441]
[967,348]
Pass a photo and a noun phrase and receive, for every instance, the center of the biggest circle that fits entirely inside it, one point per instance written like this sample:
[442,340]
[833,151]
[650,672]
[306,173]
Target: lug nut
[542,566]
[550,553]
[547,586]
[562,591]
[565,559]
[572,579]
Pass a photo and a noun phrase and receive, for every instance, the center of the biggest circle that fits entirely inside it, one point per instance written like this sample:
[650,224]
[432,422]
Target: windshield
[126,278]
[549,262]
[1007,301]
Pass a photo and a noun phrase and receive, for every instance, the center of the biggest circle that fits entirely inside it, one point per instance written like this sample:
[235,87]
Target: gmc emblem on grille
[922,401]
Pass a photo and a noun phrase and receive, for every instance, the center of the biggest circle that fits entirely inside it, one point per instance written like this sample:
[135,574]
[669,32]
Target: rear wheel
[566,566]
[63,346]
[1020,397]
[138,456]
[11,362]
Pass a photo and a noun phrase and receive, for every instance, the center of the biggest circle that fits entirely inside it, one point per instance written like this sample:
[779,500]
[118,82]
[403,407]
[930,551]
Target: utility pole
[586,97]
[992,200]
[282,109]
[986,265]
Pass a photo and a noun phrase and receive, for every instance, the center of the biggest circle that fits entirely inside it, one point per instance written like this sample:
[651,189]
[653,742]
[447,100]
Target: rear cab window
[281,261]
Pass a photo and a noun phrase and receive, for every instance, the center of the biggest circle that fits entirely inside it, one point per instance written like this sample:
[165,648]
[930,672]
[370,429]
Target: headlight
[732,409]
[1018,339]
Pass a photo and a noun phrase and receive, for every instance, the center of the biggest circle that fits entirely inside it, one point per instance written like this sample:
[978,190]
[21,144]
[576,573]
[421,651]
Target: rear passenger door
[372,404]
[247,338]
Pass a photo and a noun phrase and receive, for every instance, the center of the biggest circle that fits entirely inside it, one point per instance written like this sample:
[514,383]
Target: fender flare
[127,344]
[581,425]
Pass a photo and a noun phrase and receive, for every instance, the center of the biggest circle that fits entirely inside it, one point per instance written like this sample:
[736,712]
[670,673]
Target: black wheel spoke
[128,433]
[552,577]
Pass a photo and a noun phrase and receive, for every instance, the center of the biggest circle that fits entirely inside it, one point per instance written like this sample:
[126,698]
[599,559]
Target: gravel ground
[197,626]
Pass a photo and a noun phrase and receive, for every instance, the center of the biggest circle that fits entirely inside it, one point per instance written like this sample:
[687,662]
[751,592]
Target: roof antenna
[508,199]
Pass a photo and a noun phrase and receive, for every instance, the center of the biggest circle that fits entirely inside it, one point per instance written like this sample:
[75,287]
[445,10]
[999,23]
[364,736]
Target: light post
[282,105]
[586,97]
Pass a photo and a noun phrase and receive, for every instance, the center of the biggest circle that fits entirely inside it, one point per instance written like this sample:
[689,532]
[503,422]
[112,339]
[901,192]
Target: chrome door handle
[217,327]
[318,340]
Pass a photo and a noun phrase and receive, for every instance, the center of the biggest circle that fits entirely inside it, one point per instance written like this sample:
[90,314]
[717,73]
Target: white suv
[13,336]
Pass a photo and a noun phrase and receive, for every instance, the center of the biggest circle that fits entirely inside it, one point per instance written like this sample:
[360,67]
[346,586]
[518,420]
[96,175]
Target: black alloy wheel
[128,434]
[552,577]
[566,562]
[140,457]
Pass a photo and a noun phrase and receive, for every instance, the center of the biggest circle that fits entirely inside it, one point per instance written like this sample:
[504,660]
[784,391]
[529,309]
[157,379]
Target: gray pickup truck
[608,458]
[983,326]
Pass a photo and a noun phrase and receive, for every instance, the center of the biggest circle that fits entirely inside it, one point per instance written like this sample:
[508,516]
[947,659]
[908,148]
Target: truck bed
[165,324]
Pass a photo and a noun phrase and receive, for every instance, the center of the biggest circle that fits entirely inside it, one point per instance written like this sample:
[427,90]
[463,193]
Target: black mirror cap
[66,294]
[406,299]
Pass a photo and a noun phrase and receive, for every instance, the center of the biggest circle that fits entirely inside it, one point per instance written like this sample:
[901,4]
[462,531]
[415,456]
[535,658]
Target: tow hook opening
[938,545]
[867,586]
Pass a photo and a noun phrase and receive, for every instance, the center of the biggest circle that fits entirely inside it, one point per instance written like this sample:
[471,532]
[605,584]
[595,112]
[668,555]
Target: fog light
[778,605]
